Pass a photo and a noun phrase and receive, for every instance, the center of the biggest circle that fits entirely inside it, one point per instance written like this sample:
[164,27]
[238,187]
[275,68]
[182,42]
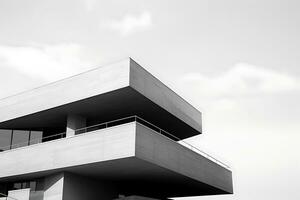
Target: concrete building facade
[115,132]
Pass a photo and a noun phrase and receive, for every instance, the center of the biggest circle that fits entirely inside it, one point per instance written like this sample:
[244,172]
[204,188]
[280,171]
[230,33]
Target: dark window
[35,137]
[17,186]
[20,138]
[25,184]
[5,139]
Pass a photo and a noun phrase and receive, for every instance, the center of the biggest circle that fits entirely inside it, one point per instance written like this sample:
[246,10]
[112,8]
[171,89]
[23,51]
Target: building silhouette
[114,132]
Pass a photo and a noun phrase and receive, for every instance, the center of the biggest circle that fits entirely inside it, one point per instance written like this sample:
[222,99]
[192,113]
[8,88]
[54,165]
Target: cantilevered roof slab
[106,93]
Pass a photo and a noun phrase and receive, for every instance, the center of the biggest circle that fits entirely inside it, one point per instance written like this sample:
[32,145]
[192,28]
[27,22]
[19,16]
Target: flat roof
[117,90]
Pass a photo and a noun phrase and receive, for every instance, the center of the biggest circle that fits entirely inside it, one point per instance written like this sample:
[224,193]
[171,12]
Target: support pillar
[74,122]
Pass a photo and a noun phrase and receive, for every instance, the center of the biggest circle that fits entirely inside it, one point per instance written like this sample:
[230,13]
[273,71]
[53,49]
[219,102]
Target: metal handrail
[145,123]
[191,147]
[39,140]
[104,123]
[161,131]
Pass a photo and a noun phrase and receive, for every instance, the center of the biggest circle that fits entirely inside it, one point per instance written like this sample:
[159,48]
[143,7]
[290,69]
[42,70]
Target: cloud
[130,24]
[47,62]
[241,80]
[228,90]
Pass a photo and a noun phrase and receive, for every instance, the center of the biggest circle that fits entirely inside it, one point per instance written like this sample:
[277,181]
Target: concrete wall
[130,141]
[157,149]
[149,86]
[36,195]
[22,194]
[101,145]
[96,82]
[85,85]
[79,188]
[53,187]
[74,122]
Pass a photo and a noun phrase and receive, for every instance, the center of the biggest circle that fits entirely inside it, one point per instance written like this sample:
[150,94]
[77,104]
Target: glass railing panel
[20,138]
[35,137]
[5,139]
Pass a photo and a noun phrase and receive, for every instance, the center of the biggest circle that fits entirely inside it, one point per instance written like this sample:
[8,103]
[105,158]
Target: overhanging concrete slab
[117,90]
[132,156]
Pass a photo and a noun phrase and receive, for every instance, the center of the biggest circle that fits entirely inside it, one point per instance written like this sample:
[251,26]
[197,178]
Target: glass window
[5,139]
[20,138]
[35,137]
[25,184]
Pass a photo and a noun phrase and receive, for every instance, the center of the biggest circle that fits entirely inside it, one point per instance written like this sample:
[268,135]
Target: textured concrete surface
[106,93]
[164,152]
[85,85]
[149,86]
[133,157]
[53,187]
[106,144]
[22,194]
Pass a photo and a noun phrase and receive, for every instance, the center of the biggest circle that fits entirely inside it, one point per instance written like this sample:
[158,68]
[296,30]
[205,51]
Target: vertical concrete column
[54,187]
[74,122]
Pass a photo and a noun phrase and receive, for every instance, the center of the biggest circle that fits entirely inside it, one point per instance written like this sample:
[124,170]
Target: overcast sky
[236,61]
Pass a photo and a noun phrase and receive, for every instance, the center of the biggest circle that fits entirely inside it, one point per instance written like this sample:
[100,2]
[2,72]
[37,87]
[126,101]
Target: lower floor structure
[128,160]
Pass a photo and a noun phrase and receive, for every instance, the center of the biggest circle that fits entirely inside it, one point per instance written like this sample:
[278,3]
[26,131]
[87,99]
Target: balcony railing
[33,141]
[124,121]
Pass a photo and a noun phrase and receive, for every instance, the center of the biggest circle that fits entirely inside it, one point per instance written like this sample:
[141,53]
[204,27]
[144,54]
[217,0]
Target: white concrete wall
[96,82]
[123,141]
[85,85]
[149,86]
[22,194]
[53,187]
[105,144]
[158,149]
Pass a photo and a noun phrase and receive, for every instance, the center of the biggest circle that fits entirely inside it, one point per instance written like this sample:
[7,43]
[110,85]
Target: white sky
[237,61]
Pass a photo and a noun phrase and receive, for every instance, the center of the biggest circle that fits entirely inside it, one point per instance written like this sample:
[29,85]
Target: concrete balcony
[23,194]
[131,155]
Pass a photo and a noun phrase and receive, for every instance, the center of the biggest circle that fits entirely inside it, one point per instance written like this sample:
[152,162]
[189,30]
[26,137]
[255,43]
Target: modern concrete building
[111,133]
